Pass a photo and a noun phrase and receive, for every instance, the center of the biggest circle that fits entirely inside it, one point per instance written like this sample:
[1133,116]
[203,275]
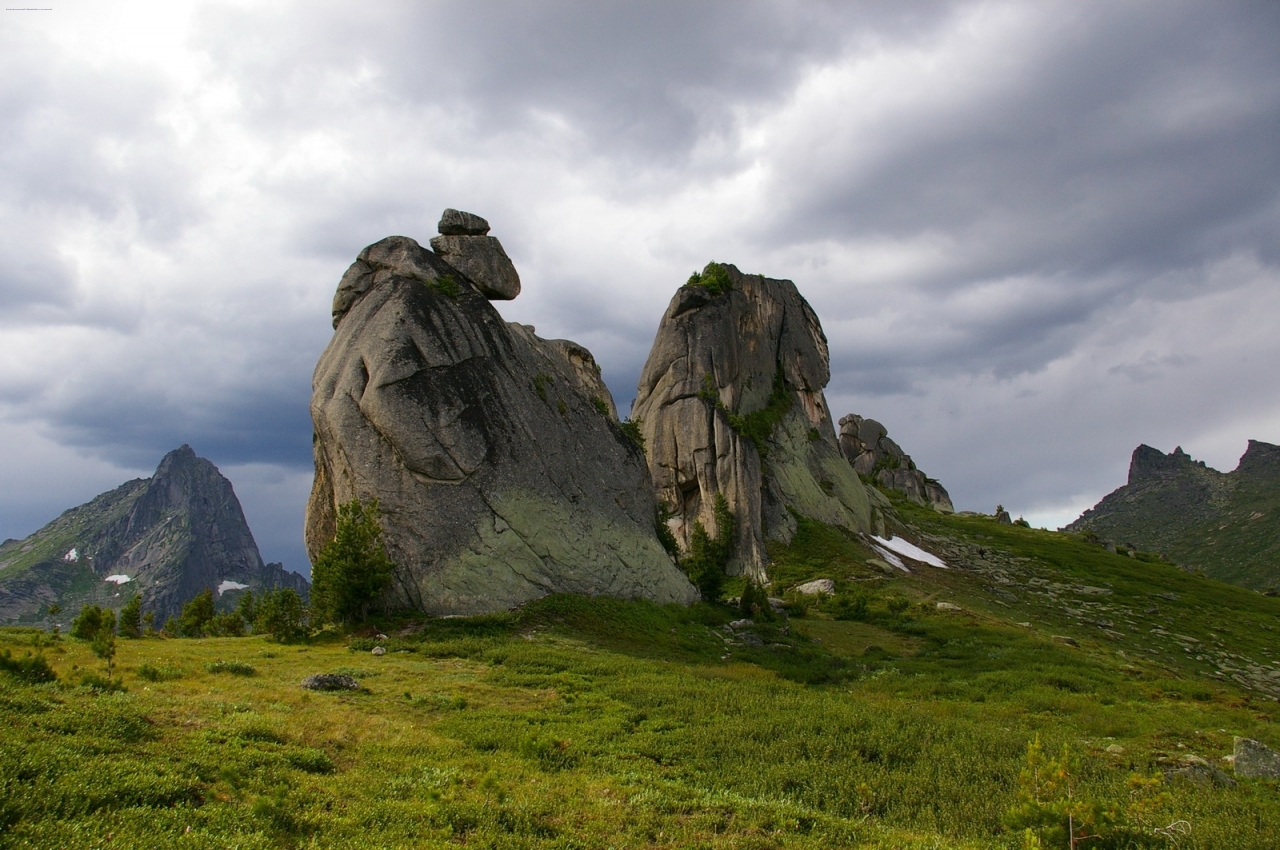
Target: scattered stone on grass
[1197,771]
[817,586]
[1255,760]
[330,682]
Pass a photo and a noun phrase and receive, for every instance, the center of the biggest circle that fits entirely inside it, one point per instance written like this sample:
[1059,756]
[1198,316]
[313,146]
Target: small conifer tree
[197,615]
[282,615]
[131,617]
[353,569]
[97,626]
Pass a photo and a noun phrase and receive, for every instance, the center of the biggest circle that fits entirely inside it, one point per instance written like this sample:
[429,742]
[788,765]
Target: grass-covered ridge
[875,719]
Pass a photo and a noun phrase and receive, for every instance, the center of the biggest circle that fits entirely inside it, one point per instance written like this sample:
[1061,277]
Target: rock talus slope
[168,537]
[499,466]
[730,402]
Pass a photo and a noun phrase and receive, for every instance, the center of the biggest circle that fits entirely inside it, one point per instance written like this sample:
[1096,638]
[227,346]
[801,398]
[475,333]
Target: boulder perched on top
[730,403]
[463,244]
[458,223]
[866,444]
[500,472]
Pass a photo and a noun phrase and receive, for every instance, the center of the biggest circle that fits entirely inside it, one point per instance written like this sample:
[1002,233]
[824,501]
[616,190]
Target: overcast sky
[1037,233]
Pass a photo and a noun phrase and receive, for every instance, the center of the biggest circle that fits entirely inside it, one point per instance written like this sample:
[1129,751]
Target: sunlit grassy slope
[599,723]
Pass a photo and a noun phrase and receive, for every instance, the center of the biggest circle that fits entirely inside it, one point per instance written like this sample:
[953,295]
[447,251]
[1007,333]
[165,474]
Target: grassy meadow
[868,719]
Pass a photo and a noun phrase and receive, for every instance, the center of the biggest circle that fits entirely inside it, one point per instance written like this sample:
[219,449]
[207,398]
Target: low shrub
[32,669]
[158,673]
[235,668]
[94,682]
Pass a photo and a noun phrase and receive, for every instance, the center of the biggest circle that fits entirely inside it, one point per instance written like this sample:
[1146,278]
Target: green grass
[602,723]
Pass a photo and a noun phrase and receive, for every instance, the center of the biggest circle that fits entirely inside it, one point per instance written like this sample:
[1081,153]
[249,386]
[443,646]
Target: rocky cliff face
[167,537]
[866,445]
[730,402]
[495,456]
[1227,524]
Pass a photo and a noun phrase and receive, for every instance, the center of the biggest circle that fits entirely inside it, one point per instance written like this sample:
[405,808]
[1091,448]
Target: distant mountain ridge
[1224,523]
[167,537]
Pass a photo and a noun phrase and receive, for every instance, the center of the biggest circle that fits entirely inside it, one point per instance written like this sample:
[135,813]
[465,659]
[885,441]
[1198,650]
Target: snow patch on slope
[913,552]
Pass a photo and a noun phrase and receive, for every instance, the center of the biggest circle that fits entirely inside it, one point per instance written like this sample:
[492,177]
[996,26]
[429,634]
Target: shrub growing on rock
[714,277]
[708,556]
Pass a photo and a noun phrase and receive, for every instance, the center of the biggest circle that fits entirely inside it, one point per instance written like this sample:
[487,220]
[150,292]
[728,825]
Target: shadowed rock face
[717,360]
[499,477]
[866,444]
[174,535]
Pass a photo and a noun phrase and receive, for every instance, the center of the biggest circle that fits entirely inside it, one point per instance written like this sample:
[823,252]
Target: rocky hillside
[167,537]
[1226,524]
[866,445]
[496,457]
[731,404]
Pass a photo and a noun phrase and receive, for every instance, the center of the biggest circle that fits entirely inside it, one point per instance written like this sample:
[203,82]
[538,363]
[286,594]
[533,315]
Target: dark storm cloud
[1134,139]
[1134,147]
[1128,138]
[87,139]
[640,81]
[244,424]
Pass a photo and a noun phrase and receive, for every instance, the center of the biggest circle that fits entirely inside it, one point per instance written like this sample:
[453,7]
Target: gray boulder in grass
[500,469]
[1255,760]
[816,587]
[330,682]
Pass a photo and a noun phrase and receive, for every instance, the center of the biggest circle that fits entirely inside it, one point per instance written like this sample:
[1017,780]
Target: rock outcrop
[1222,523]
[463,244]
[730,403]
[496,456]
[866,445]
[168,537]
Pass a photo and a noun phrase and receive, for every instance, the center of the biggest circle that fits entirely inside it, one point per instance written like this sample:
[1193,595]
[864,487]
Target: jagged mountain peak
[167,537]
[1221,522]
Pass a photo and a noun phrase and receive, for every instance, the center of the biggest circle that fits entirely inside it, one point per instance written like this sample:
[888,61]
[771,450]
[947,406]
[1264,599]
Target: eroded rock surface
[500,469]
[866,444]
[728,366]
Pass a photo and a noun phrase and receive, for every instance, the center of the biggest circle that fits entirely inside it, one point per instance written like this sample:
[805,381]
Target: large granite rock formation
[496,457]
[1222,523]
[866,445]
[730,402]
[168,537]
